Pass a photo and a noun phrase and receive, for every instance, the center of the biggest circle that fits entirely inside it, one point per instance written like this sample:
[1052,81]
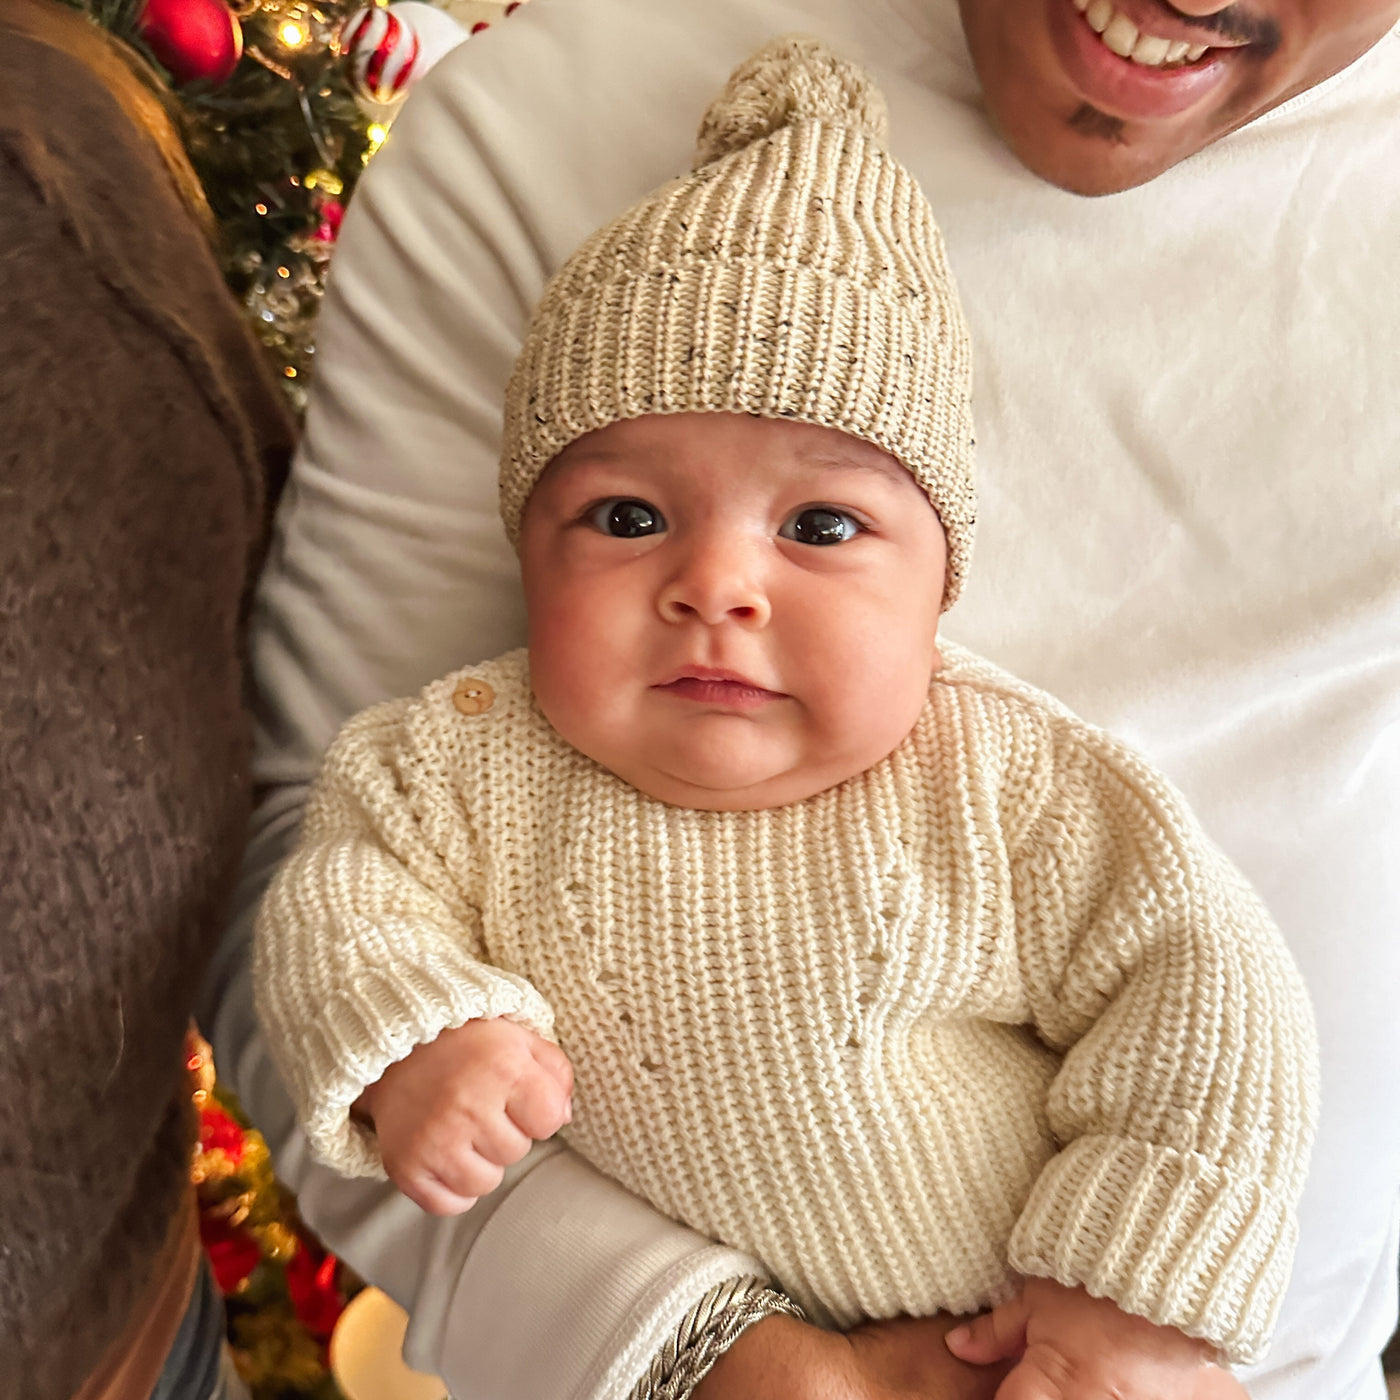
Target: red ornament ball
[193,38]
[383,50]
[332,211]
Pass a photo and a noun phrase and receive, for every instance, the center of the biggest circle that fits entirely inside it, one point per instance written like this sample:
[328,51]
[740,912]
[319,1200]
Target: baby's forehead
[664,443]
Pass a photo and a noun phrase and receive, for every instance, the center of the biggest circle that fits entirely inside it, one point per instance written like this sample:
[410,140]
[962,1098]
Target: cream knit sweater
[995,1006]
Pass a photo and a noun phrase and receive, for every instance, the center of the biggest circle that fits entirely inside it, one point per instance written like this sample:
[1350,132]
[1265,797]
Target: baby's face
[729,612]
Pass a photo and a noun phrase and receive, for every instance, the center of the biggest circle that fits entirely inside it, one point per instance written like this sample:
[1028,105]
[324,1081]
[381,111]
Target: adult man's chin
[1100,95]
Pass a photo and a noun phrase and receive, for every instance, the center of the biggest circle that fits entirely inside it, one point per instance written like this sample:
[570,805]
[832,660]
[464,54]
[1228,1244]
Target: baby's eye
[820,525]
[626,519]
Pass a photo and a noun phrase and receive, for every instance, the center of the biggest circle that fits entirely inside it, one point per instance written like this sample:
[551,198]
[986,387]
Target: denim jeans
[199,1366]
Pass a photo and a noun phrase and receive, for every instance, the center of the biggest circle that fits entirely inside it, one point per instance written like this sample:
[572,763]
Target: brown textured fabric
[140,438]
[134,1361]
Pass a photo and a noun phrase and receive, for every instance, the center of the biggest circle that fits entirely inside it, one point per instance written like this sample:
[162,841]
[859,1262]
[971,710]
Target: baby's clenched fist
[456,1112]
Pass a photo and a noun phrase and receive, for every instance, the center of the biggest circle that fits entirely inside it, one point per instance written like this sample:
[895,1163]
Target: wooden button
[473,697]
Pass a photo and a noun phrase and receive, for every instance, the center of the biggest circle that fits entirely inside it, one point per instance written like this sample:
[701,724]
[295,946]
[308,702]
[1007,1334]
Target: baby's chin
[731,788]
[727,763]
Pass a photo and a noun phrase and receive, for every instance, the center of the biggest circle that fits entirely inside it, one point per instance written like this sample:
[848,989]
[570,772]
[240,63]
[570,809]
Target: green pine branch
[283,115]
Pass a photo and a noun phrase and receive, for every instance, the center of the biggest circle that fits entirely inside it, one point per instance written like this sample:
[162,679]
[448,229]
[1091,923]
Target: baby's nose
[716,583]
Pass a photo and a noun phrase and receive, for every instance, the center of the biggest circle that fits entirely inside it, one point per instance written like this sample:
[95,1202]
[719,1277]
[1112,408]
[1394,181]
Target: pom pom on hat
[788,80]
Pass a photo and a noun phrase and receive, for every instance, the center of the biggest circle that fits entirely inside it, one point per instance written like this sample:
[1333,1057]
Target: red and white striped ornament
[383,52]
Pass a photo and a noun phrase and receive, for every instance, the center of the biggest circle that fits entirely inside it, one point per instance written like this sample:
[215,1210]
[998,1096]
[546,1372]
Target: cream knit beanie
[797,272]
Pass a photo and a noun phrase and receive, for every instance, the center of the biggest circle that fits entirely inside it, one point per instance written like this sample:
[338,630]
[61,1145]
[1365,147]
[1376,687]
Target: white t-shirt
[1189,457]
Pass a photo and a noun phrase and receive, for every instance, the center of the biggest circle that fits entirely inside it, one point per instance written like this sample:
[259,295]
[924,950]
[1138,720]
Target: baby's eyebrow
[888,468]
[874,463]
[599,458]
[608,456]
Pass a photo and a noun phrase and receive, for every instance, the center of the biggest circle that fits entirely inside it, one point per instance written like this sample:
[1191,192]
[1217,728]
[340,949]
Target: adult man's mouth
[1135,60]
[1120,35]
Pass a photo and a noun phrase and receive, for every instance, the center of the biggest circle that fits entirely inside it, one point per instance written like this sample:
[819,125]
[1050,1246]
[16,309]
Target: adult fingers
[993,1336]
[907,1357]
[1028,1382]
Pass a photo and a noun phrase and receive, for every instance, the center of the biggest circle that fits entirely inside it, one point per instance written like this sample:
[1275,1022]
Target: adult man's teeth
[1150,51]
[1121,36]
[1124,38]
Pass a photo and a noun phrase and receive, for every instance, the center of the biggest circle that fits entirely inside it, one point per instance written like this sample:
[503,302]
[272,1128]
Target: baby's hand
[459,1109]
[1071,1346]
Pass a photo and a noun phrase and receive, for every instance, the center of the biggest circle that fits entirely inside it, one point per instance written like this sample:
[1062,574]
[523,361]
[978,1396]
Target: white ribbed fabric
[995,1005]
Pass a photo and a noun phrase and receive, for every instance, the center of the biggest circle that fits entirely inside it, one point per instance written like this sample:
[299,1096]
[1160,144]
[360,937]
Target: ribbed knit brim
[796,273]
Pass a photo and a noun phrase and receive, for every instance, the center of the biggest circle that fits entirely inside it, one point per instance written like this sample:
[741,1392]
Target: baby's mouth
[709,686]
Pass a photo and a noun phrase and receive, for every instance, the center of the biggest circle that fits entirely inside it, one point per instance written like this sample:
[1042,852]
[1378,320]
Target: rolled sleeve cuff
[1168,1235]
[378,1024]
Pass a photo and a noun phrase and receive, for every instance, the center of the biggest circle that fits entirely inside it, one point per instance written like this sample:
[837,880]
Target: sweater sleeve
[368,942]
[1185,1105]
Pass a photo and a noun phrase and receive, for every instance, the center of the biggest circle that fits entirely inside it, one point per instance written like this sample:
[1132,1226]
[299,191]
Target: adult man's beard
[1089,121]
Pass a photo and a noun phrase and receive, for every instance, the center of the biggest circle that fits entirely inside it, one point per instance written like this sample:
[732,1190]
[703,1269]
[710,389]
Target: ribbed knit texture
[797,273]
[994,1005]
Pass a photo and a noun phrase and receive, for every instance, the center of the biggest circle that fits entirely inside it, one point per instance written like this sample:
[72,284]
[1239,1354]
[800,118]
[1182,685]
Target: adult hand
[1069,1345]
[783,1359]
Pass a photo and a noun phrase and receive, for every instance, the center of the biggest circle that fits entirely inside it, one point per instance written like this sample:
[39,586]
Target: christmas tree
[281,103]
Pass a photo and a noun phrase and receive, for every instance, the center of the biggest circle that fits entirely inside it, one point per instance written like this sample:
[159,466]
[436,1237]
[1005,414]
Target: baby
[870,960]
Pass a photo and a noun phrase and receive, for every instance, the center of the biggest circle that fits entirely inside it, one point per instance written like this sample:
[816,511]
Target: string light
[376,134]
[292,34]
[326,181]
